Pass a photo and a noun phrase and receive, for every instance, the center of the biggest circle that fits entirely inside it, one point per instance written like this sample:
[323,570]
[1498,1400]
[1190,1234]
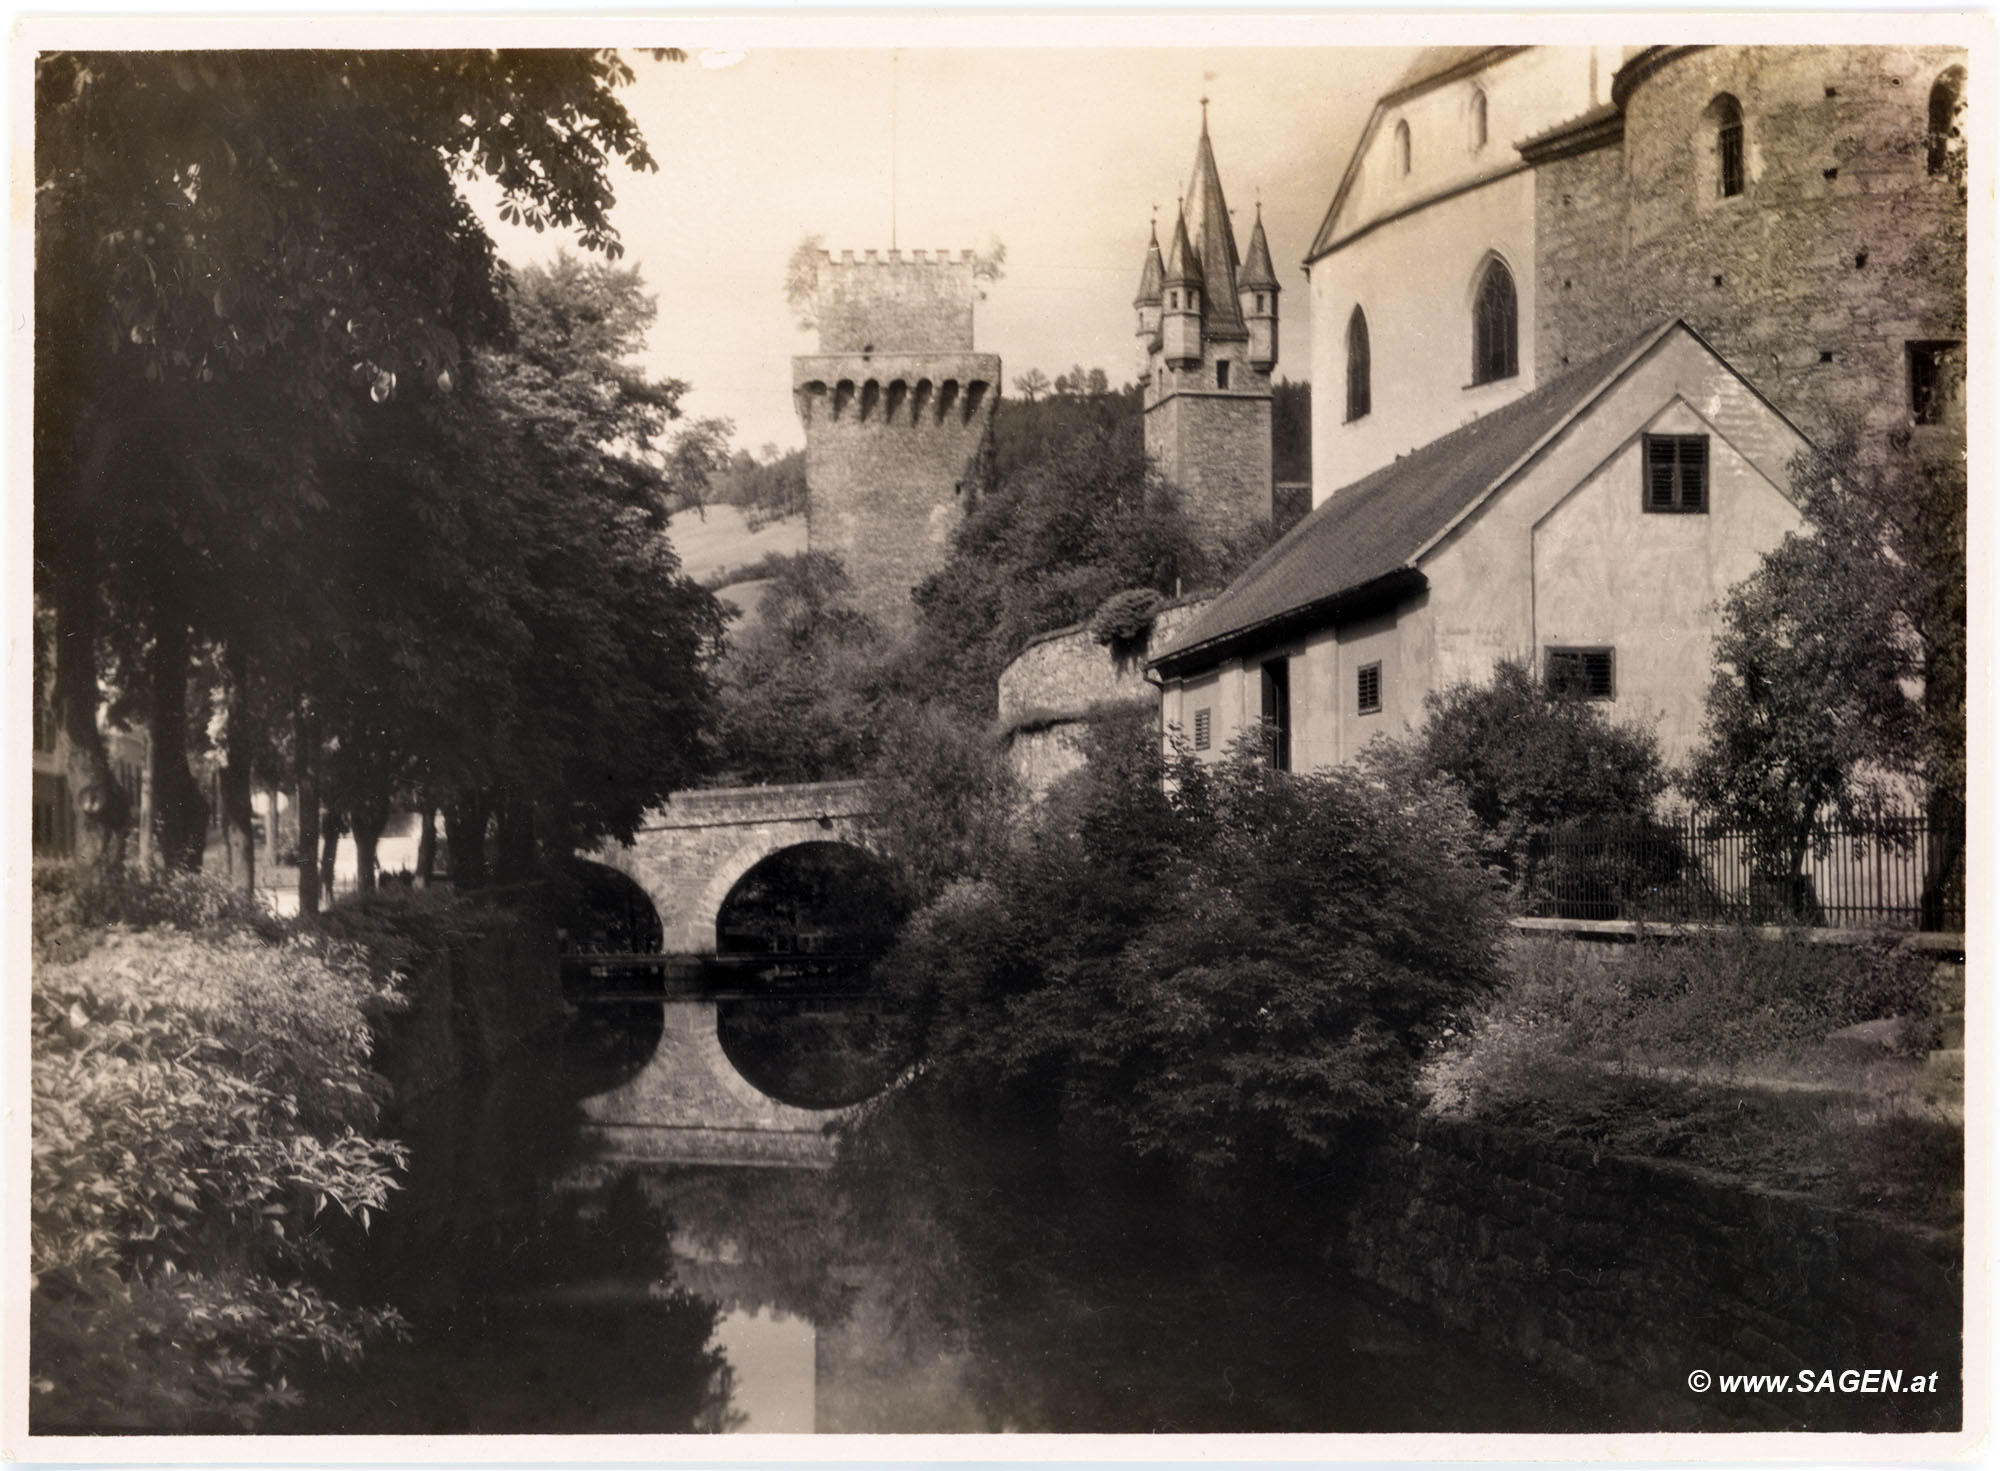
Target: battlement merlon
[898,302]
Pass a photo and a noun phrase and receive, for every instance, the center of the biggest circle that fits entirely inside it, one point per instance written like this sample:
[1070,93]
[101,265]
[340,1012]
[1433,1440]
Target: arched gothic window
[1403,149]
[1478,119]
[1495,345]
[1358,399]
[1723,123]
[1946,140]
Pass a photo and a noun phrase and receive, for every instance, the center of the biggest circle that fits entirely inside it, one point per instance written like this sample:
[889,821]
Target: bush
[1126,618]
[199,1096]
[1224,970]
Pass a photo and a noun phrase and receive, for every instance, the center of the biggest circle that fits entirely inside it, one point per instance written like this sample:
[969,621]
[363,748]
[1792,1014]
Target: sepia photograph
[937,728]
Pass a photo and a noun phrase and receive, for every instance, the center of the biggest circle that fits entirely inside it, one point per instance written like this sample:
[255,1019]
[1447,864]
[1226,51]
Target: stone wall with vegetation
[1627,1275]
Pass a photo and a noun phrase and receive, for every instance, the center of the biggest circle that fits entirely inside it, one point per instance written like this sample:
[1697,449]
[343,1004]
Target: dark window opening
[1584,674]
[1222,374]
[1403,148]
[1677,472]
[1277,715]
[1729,148]
[1945,145]
[1204,729]
[1358,398]
[1478,121]
[1494,342]
[1368,689]
[1932,380]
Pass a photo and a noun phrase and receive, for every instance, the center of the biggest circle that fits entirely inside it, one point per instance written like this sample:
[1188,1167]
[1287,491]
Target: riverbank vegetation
[203,1108]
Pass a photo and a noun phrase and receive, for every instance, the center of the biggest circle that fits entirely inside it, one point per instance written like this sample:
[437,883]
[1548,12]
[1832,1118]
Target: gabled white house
[1590,528]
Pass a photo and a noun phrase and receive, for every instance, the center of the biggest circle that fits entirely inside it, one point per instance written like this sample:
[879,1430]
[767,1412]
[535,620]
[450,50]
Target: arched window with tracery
[1358,397]
[1478,119]
[1723,163]
[1945,145]
[1403,148]
[1495,326]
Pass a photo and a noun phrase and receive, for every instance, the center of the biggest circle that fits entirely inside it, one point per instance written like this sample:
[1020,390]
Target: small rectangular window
[1676,472]
[1203,729]
[1584,673]
[1222,373]
[1368,688]
[1932,377]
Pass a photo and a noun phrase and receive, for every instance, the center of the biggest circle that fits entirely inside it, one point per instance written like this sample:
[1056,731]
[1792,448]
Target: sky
[1061,154]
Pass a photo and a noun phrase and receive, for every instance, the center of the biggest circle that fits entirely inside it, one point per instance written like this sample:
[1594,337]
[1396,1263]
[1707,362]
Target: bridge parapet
[802,800]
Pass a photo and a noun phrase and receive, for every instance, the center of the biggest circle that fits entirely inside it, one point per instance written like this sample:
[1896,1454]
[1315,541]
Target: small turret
[1180,323]
[1151,284]
[1257,291]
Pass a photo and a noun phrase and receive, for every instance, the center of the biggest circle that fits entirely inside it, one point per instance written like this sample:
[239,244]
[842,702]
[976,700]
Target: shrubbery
[201,1095]
[1222,970]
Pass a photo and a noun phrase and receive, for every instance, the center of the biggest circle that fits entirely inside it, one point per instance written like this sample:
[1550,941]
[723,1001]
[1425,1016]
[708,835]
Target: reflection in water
[813,1053]
[928,1283]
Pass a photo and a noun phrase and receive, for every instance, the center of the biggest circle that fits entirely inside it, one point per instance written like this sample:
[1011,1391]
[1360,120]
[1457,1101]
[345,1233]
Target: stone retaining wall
[1625,1276]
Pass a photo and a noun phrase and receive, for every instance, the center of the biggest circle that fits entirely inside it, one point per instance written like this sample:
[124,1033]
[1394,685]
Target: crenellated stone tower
[898,414]
[1208,320]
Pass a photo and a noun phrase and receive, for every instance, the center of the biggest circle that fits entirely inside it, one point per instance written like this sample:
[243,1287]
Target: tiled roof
[1376,526]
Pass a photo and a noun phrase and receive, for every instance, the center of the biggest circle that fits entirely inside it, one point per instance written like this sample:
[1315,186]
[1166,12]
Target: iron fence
[1690,868]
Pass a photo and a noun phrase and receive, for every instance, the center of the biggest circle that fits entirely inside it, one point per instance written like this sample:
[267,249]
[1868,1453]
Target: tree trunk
[239,813]
[104,806]
[368,817]
[427,848]
[514,840]
[305,741]
[329,849]
[180,811]
[465,827]
[1942,905]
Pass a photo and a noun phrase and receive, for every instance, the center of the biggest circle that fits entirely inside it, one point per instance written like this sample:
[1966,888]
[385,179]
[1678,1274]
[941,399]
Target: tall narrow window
[1494,342]
[1723,121]
[1222,373]
[1278,715]
[1945,150]
[1204,728]
[1358,402]
[1478,119]
[1403,148]
[1676,472]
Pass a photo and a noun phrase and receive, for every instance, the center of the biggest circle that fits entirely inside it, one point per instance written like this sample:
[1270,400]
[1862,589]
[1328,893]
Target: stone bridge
[688,1103]
[693,851]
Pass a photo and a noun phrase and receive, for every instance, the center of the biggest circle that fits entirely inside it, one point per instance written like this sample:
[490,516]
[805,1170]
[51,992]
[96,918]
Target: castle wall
[913,303]
[1216,447]
[894,444]
[1840,250]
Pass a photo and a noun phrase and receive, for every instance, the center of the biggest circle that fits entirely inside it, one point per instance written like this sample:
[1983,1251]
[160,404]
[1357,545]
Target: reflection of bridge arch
[689,1103]
[695,850]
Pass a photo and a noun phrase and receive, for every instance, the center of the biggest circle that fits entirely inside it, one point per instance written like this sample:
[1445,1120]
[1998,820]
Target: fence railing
[1695,869]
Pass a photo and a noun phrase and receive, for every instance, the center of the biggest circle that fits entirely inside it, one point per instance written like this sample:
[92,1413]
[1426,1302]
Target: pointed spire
[1257,274]
[1155,274]
[1183,264]
[1207,216]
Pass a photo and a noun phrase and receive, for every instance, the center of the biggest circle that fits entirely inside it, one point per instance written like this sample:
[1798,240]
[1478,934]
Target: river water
[940,1282]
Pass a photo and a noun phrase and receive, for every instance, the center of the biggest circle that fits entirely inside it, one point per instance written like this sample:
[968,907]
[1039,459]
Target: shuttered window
[1203,730]
[1584,673]
[1676,472]
[1368,688]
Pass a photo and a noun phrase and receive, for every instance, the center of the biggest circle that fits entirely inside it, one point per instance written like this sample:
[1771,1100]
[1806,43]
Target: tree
[1222,970]
[1529,758]
[237,254]
[1032,384]
[1840,674]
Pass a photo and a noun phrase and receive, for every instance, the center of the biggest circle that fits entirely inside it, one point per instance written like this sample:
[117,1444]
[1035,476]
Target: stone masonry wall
[1839,251]
[1051,687]
[1625,1276]
[914,303]
[1217,449]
